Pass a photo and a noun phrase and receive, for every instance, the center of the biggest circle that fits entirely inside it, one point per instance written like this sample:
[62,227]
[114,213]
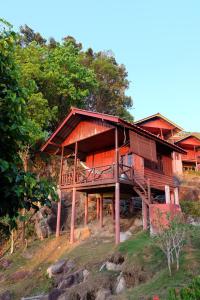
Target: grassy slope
[139,251]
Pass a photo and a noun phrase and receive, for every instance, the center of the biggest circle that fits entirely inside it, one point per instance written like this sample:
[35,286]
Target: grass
[142,257]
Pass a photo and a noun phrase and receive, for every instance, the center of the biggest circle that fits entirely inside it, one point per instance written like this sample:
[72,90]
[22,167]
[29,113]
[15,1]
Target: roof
[193,135]
[74,117]
[158,115]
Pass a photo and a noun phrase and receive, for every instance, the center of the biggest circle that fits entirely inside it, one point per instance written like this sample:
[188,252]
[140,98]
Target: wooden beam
[117,190]
[97,207]
[60,196]
[101,210]
[73,198]
[73,215]
[144,215]
[86,209]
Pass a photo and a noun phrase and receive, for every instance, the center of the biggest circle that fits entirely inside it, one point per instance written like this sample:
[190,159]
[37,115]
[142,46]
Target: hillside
[144,267]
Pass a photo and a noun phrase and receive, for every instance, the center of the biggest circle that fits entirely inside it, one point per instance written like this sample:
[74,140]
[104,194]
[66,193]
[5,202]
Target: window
[155,166]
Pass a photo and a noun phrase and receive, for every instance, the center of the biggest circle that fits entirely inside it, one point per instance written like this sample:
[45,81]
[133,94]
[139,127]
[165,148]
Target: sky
[158,42]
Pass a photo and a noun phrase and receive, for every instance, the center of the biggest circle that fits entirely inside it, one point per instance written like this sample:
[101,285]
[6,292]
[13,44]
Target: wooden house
[160,126]
[103,154]
[191,144]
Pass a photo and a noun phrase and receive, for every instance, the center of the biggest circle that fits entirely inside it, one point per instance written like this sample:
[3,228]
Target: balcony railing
[100,173]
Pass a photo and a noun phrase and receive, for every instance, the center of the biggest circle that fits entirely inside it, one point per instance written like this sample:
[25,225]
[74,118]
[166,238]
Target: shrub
[191,292]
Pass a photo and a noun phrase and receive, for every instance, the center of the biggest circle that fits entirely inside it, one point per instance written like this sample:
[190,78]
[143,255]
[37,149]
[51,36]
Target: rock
[102,267]
[68,266]
[5,263]
[6,295]
[85,274]
[102,294]
[120,285]
[113,267]
[116,258]
[54,294]
[138,222]
[125,236]
[19,275]
[56,268]
[71,279]
[82,234]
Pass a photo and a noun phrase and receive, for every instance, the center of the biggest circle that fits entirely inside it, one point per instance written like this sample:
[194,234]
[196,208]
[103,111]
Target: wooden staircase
[143,189]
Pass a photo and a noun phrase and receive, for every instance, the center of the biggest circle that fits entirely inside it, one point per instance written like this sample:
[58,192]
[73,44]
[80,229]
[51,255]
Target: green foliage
[109,97]
[191,292]
[190,208]
[18,188]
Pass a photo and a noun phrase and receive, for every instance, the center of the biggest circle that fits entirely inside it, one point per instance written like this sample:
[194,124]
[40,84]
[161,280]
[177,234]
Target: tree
[109,97]
[171,238]
[19,189]
[57,75]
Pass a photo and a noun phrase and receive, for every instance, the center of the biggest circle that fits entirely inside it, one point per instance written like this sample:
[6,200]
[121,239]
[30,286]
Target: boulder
[85,275]
[120,285]
[103,294]
[113,267]
[71,279]
[6,295]
[55,294]
[125,235]
[56,268]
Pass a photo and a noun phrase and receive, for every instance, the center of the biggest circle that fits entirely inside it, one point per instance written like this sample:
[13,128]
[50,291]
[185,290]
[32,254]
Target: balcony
[96,175]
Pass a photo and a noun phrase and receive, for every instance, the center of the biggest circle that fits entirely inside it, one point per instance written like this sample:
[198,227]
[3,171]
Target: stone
[54,294]
[56,268]
[71,279]
[116,258]
[85,275]
[102,294]
[125,236]
[121,284]
[6,295]
[69,266]
[113,267]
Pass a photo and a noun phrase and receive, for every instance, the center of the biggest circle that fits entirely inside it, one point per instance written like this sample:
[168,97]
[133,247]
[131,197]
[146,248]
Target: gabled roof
[192,135]
[158,115]
[74,117]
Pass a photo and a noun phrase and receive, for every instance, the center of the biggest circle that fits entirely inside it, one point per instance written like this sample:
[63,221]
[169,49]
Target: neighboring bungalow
[191,144]
[167,130]
[103,154]
[160,126]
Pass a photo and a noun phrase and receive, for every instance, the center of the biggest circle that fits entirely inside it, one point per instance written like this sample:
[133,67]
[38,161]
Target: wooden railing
[97,174]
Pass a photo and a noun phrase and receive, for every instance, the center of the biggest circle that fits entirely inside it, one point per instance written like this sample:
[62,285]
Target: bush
[191,292]
[190,208]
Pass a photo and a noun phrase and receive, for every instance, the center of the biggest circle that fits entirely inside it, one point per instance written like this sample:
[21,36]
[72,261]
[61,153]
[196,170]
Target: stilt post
[60,195]
[86,209]
[144,215]
[117,190]
[101,210]
[73,213]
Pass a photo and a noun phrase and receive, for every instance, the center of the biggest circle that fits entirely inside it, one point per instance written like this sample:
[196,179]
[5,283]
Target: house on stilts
[103,154]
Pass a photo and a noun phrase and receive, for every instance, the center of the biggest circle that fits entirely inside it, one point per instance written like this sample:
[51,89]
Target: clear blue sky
[158,42]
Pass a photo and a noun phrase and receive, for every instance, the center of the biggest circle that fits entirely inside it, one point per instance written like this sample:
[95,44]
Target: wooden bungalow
[103,154]
[191,144]
[160,126]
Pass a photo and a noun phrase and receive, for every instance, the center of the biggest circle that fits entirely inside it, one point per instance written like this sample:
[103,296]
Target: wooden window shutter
[143,146]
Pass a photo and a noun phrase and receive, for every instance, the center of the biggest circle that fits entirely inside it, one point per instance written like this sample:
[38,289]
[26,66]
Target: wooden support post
[167,194]
[59,194]
[117,190]
[86,209]
[113,208]
[117,213]
[73,215]
[58,213]
[144,215]
[101,210]
[172,197]
[97,208]
[176,196]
